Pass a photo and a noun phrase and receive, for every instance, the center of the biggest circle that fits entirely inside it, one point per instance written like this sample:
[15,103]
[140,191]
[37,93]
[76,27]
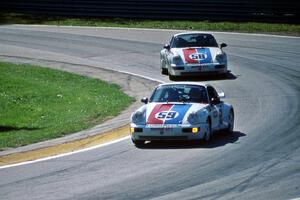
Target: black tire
[138,143]
[207,135]
[226,75]
[164,71]
[172,78]
[229,129]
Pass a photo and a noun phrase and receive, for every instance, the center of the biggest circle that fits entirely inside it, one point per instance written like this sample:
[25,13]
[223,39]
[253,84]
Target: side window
[212,92]
[171,42]
[198,95]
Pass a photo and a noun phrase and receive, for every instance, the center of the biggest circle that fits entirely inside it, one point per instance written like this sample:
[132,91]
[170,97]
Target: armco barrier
[232,10]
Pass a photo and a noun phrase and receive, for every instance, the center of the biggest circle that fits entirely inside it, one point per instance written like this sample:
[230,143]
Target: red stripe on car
[187,53]
[158,108]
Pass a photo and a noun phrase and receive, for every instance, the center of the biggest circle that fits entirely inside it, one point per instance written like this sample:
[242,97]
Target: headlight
[221,57]
[176,59]
[139,118]
[193,118]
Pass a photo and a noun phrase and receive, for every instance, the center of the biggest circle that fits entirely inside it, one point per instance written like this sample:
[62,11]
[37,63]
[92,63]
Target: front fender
[164,58]
[226,108]
[204,115]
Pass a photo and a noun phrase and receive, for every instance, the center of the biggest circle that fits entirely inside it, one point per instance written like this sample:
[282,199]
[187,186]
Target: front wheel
[172,78]
[164,71]
[207,131]
[138,143]
[229,129]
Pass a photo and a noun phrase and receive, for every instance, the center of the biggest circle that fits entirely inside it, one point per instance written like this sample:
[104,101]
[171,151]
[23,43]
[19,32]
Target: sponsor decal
[168,114]
[163,126]
[197,55]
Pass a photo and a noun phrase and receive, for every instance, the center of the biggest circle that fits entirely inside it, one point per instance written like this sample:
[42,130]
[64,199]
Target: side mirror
[167,46]
[221,95]
[215,100]
[223,45]
[145,100]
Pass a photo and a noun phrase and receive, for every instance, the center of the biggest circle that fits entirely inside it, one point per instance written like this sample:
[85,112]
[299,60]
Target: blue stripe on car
[182,110]
[206,51]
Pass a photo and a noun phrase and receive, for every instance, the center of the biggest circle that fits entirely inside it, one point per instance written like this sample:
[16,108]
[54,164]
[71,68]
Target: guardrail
[231,10]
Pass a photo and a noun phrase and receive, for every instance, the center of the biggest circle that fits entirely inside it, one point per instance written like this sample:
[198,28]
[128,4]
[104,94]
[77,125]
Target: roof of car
[184,83]
[192,32]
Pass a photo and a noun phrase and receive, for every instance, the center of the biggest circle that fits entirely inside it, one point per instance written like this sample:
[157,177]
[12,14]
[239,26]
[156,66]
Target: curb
[64,148]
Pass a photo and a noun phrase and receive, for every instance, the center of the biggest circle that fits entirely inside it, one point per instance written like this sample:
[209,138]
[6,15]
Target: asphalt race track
[261,160]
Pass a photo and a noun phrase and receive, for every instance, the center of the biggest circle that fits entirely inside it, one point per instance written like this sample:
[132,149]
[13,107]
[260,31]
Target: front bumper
[170,132]
[197,69]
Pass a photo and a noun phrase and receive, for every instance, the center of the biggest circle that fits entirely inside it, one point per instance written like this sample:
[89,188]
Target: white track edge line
[65,154]
[138,75]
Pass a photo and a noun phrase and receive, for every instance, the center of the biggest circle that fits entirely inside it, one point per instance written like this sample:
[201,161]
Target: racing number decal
[172,115]
[160,115]
[166,115]
[198,55]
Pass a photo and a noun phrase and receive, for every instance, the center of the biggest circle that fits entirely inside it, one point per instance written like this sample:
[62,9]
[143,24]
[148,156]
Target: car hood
[197,55]
[170,113]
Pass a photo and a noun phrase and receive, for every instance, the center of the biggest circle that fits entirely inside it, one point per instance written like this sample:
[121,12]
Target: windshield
[194,40]
[180,93]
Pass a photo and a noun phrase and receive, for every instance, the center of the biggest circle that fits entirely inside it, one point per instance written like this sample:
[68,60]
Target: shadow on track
[227,76]
[217,140]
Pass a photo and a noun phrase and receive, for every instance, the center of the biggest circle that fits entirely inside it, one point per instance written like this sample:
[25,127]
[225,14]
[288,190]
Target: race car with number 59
[193,53]
[181,111]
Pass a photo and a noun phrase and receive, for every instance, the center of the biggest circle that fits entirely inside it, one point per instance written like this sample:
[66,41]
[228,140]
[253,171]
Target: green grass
[252,27]
[40,103]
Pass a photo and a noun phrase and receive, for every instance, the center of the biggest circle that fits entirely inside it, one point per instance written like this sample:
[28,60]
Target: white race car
[181,111]
[193,53]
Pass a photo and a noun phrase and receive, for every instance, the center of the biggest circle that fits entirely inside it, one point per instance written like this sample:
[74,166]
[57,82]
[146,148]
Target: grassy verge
[252,27]
[39,103]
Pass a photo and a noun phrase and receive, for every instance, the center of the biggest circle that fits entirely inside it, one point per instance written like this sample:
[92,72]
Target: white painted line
[138,75]
[105,68]
[65,154]
[149,29]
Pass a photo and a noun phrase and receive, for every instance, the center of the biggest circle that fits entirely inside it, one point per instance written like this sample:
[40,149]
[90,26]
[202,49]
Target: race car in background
[190,54]
[181,111]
